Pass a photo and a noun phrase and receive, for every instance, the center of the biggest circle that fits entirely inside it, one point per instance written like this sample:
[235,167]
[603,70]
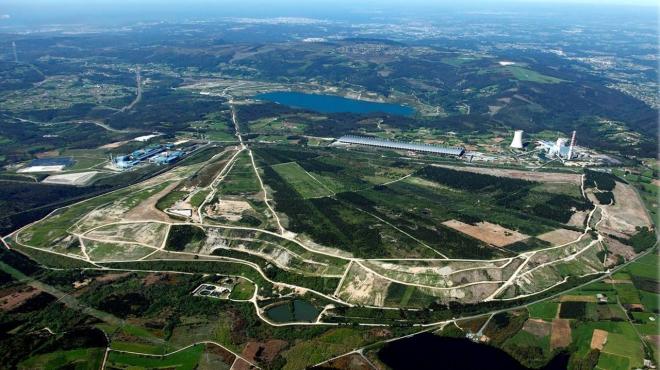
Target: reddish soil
[108,278]
[559,236]
[616,249]
[561,334]
[147,210]
[655,339]
[381,333]
[487,232]
[159,278]
[48,154]
[626,214]
[227,357]
[15,299]
[348,362]
[577,298]
[523,175]
[152,278]
[242,365]
[264,352]
[537,327]
[598,339]
[472,325]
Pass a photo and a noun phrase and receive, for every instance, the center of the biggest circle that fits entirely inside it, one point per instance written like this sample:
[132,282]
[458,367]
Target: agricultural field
[592,322]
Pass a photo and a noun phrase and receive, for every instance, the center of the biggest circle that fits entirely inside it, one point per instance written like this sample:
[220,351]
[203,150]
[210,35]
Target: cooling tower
[517,139]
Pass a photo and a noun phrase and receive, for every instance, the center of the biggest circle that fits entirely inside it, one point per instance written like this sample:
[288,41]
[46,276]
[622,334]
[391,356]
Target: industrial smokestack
[570,149]
[517,139]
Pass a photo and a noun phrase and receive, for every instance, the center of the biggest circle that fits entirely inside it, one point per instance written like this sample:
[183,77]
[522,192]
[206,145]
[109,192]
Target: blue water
[298,310]
[333,104]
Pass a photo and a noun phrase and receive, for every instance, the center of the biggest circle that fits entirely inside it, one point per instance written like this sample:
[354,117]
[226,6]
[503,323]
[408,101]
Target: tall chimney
[570,149]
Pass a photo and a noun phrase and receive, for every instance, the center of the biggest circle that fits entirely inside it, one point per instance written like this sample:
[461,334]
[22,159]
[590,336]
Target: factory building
[399,145]
[559,148]
[158,154]
[167,157]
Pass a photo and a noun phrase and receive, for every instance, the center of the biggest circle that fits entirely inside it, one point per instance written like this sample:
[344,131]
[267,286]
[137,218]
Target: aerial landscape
[338,185]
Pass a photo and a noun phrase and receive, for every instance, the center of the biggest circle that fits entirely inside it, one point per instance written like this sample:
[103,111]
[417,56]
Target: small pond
[297,310]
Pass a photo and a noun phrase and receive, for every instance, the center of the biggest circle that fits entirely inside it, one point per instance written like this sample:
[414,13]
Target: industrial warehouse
[158,154]
[399,145]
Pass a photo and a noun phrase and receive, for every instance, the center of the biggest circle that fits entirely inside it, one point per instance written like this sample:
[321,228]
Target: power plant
[517,140]
[158,154]
[559,149]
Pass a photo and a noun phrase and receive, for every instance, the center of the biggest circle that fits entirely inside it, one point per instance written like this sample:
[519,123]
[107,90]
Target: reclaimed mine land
[181,201]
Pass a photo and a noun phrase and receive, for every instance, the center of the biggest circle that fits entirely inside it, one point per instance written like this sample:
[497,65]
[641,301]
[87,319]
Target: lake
[333,104]
[298,310]
[429,351]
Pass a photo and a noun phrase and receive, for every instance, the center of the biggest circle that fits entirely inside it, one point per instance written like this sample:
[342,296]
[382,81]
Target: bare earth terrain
[487,232]
[522,175]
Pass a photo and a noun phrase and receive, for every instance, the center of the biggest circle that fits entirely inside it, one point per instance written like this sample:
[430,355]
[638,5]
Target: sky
[34,12]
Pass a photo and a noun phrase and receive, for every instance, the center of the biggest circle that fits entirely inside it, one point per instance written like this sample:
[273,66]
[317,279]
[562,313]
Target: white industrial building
[558,149]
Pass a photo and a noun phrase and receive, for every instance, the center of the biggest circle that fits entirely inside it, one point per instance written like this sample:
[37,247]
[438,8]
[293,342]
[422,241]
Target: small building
[601,298]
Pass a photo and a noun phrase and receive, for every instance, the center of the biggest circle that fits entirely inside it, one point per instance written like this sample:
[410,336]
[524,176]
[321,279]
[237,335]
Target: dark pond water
[298,310]
[333,104]
[431,352]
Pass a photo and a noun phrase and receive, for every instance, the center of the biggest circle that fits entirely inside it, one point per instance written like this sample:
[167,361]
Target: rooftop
[427,148]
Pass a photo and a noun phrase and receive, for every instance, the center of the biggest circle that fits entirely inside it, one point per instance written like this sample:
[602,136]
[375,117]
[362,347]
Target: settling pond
[333,104]
[298,310]
[428,351]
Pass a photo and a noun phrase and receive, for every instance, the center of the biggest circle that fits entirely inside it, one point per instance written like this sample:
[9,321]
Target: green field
[332,343]
[545,310]
[627,293]
[625,346]
[608,361]
[170,199]
[524,74]
[647,266]
[303,182]
[183,360]
[241,179]
[78,359]
[243,290]
[101,251]
[199,197]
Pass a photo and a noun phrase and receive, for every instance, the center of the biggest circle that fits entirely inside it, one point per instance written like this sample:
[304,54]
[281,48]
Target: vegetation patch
[183,237]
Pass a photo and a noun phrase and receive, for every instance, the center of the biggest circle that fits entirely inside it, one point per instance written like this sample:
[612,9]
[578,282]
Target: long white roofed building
[400,145]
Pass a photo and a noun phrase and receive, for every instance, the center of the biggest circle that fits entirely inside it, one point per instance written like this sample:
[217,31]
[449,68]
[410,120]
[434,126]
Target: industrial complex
[559,149]
[399,145]
[562,148]
[158,154]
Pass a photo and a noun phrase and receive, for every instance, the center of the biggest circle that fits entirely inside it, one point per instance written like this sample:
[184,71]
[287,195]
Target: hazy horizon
[42,12]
